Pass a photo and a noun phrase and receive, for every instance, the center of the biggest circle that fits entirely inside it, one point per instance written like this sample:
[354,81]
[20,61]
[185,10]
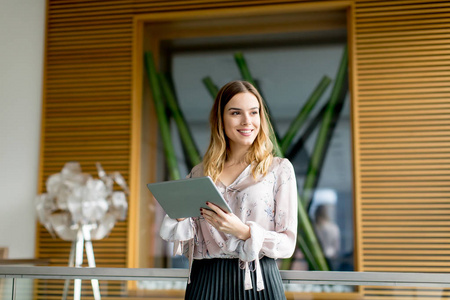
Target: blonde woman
[232,255]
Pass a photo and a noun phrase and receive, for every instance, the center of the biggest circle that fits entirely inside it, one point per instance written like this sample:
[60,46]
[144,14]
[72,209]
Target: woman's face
[241,120]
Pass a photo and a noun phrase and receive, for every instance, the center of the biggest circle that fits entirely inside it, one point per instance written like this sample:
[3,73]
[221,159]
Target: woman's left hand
[225,222]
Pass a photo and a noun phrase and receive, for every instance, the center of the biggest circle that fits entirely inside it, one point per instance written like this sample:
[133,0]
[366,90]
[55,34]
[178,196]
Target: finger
[207,212]
[210,220]
[209,216]
[216,209]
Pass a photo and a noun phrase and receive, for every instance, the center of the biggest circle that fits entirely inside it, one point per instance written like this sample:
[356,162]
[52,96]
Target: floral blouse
[267,205]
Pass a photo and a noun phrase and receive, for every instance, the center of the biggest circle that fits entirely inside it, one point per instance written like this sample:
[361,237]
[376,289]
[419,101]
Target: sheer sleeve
[172,230]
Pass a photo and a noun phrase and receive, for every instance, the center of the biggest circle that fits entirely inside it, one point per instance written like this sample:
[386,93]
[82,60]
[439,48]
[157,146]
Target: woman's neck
[237,156]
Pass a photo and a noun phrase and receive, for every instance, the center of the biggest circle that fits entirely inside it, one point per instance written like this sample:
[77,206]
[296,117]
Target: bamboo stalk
[307,241]
[163,122]
[305,228]
[308,244]
[243,68]
[318,262]
[185,134]
[315,164]
[308,237]
[304,223]
[247,76]
[307,132]
[210,86]
[320,148]
[303,114]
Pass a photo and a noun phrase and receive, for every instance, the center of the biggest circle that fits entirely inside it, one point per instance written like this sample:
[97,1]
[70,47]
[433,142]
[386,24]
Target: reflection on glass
[5,288]
[324,219]
[317,288]
[23,288]
[161,288]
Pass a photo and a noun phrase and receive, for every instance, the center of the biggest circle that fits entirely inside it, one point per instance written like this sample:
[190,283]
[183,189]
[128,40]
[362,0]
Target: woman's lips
[245,132]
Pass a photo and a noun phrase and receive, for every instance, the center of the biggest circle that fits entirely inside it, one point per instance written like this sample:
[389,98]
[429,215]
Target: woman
[232,255]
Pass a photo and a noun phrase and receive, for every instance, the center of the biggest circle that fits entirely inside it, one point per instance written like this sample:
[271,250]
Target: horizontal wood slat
[405,17]
[406,10]
[408,231]
[415,183]
[95,66]
[403,200]
[425,135]
[388,4]
[411,71]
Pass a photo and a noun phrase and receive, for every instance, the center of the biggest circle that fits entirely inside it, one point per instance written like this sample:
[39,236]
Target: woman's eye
[255,113]
[234,113]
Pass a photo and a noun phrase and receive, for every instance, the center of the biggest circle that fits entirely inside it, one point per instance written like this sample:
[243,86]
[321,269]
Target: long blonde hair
[260,154]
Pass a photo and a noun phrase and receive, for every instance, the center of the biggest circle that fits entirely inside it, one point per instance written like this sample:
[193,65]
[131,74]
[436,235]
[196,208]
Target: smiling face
[241,120]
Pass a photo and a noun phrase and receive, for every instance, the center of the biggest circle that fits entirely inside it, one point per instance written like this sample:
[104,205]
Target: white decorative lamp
[80,209]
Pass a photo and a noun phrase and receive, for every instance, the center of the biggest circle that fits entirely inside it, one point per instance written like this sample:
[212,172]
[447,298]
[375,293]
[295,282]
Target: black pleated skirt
[223,279]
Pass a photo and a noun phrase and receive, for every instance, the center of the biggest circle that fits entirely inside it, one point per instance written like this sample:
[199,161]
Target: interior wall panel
[402,59]
[87,114]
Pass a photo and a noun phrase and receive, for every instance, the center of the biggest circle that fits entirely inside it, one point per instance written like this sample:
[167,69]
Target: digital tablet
[183,198]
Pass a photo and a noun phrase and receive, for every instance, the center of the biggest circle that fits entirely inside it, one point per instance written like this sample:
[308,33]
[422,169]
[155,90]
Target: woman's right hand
[226,222]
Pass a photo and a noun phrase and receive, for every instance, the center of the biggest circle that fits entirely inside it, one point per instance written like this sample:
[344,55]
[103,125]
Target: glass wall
[16,283]
[287,71]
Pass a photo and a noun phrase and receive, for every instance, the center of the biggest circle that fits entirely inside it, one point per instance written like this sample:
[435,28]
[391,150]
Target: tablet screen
[183,198]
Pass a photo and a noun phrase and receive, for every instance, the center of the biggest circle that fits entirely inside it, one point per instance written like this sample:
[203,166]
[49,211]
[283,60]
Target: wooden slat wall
[87,113]
[403,72]
[401,105]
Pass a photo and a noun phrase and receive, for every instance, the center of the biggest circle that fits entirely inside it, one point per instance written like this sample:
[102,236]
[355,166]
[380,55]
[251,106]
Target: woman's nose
[246,119]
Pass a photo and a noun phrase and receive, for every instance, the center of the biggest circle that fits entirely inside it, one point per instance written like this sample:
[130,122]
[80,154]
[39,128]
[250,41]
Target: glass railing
[26,283]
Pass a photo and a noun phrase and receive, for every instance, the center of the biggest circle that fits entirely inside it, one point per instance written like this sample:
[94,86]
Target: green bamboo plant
[319,153]
[243,68]
[210,86]
[247,76]
[185,134]
[307,240]
[320,147]
[163,121]
[302,116]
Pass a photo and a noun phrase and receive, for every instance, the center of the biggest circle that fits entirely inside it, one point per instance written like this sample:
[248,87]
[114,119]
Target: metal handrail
[303,277]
